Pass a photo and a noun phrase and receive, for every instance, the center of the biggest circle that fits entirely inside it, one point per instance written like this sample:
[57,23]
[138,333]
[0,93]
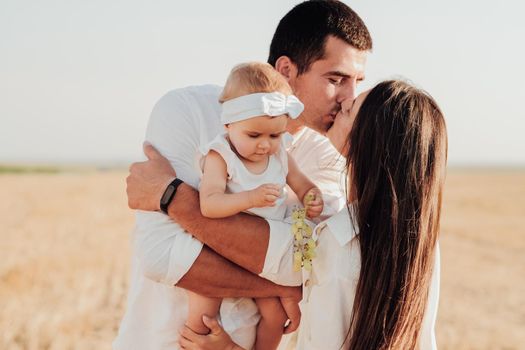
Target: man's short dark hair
[301,34]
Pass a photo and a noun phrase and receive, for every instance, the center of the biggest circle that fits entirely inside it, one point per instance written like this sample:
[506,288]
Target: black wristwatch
[168,195]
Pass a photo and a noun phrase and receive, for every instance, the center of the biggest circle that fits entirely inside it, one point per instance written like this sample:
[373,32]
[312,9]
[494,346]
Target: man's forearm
[214,276]
[241,238]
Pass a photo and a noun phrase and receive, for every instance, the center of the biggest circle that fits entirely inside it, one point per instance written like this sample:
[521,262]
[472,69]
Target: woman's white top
[240,179]
[329,289]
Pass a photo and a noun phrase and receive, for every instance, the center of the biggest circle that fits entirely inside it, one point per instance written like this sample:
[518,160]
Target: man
[321,48]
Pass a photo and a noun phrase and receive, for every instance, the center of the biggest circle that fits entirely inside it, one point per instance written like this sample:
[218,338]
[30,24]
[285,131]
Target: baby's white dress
[241,179]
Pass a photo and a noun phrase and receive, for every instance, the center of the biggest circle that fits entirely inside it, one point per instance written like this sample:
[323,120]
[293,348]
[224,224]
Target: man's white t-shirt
[180,122]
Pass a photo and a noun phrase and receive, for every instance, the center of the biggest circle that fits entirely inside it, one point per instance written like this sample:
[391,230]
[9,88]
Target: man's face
[329,82]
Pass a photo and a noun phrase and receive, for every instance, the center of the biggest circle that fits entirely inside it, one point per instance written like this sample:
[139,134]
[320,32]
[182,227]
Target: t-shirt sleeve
[165,251]
[278,264]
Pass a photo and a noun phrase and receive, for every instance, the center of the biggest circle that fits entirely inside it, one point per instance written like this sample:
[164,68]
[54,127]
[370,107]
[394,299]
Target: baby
[246,169]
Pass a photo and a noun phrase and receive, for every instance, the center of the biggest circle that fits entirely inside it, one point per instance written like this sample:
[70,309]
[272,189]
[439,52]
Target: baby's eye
[275,136]
[253,136]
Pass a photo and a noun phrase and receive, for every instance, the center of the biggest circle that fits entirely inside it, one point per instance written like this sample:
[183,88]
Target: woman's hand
[338,132]
[217,339]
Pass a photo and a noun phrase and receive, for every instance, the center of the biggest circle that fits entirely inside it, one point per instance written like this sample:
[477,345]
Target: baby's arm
[198,306]
[305,189]
[215,203]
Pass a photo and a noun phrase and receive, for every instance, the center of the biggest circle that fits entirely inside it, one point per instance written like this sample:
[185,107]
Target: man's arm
[168,255]
[240,238]
[214,276]
[164,250]
[244,239]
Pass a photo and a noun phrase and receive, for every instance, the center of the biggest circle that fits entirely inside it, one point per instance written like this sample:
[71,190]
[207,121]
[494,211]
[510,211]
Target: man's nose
[348,92]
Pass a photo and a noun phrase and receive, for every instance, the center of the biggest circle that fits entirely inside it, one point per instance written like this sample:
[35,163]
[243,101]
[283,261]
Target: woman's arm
[305,189]
[215,203]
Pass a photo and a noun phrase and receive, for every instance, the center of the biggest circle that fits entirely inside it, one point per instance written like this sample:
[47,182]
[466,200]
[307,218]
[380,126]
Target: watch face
[167,194]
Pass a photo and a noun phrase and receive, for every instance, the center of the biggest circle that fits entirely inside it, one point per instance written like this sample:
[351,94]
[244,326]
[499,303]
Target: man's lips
[333,115]
[331,120]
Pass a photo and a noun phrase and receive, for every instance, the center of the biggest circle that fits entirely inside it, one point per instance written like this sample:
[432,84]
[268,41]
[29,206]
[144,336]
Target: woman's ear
[287,68]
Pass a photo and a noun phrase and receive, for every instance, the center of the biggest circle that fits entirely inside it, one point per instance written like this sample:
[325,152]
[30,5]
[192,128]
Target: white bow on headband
[265,103]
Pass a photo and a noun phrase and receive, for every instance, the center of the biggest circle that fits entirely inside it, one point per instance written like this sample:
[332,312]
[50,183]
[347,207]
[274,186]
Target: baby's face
[257,138]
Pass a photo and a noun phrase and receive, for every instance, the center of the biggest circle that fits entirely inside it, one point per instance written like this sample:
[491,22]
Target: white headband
[266,103]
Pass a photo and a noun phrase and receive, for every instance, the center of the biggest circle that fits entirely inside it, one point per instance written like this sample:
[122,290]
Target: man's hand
[148,180]
[264,195]
[338,132]
[291,307]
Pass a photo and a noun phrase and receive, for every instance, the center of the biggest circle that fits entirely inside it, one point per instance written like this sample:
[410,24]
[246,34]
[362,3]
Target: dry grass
[482,302]
[64,266]
[65,251]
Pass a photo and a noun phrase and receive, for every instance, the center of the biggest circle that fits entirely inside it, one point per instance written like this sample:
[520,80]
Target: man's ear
[287,68]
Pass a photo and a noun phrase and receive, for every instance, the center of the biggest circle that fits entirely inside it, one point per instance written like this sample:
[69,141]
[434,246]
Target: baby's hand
[264,195]
[313,202]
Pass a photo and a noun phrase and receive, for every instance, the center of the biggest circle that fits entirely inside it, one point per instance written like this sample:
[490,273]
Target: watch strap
[168,194]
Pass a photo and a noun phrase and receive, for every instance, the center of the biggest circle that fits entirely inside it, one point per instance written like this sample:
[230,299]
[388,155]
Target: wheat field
[65,259]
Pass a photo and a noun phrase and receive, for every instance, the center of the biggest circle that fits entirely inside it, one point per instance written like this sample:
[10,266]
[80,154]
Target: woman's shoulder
[340,226]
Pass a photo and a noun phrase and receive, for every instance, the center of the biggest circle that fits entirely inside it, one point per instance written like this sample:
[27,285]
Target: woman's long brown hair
[397,159]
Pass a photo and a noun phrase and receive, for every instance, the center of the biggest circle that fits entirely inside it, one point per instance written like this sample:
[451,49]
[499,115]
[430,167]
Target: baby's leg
[271,325]
[198,306]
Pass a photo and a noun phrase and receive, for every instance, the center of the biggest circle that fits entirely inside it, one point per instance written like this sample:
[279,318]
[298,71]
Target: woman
[373,285]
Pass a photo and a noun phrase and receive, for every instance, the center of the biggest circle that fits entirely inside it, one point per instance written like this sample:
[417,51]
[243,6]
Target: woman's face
[338,133]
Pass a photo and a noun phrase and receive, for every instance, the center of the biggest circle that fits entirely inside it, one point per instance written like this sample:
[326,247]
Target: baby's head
[257,102]
[253,77]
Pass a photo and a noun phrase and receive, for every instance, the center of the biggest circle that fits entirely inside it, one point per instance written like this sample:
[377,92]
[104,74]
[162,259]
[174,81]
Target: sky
[78,79]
